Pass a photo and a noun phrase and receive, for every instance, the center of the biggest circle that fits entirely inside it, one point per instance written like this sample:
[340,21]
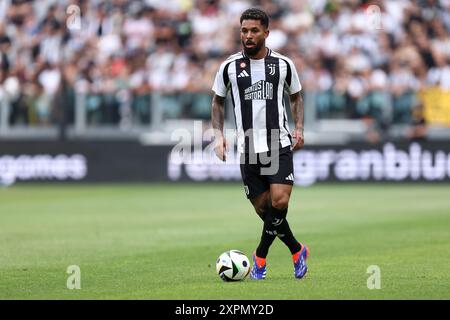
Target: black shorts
[259,171]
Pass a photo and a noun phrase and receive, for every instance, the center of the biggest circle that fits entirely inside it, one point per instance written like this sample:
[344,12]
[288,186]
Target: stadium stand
[369,69]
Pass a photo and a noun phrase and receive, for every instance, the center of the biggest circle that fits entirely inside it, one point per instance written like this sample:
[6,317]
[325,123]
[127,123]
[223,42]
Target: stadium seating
[135,64]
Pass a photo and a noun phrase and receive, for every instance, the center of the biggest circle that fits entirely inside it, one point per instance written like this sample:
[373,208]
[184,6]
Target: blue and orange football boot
[299,259]
[259,268]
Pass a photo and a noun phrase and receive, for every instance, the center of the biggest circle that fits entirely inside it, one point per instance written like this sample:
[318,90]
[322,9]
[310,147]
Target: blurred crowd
[356,59]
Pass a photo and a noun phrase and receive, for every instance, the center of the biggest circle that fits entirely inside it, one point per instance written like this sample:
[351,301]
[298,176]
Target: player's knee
[261,205]
[261,211]
[280,202]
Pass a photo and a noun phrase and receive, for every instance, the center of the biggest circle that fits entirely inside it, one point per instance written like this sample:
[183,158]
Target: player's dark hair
[256,14]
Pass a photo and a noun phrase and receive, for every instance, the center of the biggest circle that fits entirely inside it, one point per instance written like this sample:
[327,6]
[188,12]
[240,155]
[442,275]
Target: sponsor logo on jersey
[260,90]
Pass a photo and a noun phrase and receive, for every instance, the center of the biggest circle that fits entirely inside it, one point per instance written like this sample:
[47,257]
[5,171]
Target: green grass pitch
[161,241]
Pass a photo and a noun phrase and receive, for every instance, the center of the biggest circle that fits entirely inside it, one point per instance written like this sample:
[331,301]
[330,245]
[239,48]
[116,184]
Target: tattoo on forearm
[218,113]
[298,110]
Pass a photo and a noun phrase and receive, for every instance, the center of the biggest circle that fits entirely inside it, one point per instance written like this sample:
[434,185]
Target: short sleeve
[292,80]
[222,80]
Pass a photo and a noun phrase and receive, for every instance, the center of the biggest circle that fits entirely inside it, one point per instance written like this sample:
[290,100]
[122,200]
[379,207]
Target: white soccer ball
[232,265]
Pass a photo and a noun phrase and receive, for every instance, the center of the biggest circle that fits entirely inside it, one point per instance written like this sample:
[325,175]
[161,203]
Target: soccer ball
[232,265]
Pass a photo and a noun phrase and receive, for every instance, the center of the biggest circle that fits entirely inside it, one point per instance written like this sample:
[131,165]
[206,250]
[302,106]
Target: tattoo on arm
[298,111]
[218,113]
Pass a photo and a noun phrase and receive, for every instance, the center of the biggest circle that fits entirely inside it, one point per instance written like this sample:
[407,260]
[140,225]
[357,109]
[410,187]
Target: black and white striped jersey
[257,88]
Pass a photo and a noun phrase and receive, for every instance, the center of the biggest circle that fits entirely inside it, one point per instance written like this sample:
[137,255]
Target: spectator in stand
[163,53]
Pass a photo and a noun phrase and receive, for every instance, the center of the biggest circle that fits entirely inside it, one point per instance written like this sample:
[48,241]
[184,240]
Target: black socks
[285,235]
[275,224]
[268,235]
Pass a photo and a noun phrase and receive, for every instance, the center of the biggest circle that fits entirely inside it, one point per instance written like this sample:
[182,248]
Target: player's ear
[266,33]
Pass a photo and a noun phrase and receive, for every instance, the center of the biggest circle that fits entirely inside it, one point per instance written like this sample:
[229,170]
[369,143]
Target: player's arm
[217,119]
[298,113]
[220,88]
[294,88]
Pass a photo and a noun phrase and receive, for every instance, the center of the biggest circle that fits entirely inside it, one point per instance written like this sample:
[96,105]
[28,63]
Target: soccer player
[257,77]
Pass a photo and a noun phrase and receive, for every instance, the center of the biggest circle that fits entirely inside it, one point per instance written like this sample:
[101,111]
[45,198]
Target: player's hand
[298,139]
[221,148]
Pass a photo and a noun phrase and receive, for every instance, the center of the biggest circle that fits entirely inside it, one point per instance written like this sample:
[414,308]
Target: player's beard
[253,51]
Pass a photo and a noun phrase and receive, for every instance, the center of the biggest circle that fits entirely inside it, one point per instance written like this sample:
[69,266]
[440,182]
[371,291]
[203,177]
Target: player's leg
[262,207]
[271,219]
[257,190]
[261,204]
[280,192]
[280,195]
[268,235]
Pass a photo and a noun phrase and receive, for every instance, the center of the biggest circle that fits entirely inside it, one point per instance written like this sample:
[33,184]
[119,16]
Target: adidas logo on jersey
[290,177]
[243,74]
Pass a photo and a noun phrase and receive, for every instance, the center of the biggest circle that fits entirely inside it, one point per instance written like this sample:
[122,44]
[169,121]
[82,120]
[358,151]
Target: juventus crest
[272,68]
